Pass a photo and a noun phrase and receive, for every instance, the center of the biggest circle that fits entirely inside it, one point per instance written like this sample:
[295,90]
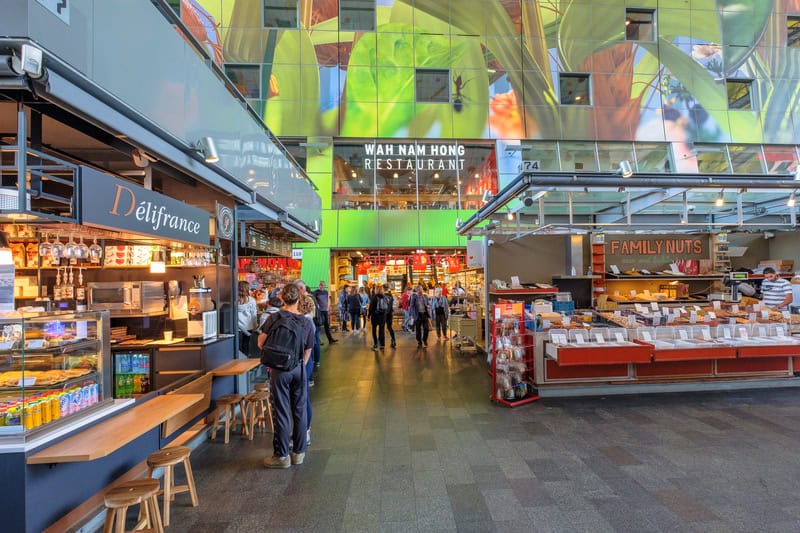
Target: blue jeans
[406,318]
[316,350]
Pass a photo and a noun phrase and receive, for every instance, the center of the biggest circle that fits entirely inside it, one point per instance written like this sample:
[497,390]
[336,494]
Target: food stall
[605,285]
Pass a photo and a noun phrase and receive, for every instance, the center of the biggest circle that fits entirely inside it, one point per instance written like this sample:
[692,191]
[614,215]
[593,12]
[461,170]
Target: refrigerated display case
[133,375]
[53,366]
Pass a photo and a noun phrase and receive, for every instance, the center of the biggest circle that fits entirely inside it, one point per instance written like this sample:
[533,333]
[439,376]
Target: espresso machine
[202,322]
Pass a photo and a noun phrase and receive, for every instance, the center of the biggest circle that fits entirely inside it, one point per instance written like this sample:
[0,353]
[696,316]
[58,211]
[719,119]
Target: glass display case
[53,366]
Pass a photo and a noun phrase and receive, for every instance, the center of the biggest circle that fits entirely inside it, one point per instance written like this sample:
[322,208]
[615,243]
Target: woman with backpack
[441,312]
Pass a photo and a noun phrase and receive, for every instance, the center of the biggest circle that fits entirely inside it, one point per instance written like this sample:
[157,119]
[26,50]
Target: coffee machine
[202,323]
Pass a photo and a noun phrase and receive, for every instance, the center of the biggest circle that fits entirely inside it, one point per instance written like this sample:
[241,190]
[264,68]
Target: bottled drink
[120,385]
[137,384]
[145,383]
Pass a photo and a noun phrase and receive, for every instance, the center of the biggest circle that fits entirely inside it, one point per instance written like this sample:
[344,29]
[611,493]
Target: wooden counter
[235,367]
[108,436]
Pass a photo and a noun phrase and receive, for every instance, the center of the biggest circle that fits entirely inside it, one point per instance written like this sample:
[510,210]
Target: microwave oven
[126,297]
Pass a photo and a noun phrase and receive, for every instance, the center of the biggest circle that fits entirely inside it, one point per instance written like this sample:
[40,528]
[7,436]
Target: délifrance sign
[112,203]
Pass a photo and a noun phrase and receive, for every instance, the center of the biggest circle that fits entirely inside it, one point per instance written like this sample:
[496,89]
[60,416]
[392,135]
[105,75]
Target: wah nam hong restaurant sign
[112,203]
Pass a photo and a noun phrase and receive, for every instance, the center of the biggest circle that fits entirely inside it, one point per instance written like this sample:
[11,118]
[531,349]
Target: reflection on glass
[746,159]
[246,78]
[574,89]
[357,15]
[652,157]
[610,155]
[711,159]
[546,153]
[353,176]
[578,156]
[780,159]
[280,14]
[739,94]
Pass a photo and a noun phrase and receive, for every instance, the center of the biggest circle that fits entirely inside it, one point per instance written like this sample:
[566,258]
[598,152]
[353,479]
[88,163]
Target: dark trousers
[355,319]
[344,318]
[441,323]
[315,351]
[389,327]
[378,333]
[326,323]
[289,391]
[422,327]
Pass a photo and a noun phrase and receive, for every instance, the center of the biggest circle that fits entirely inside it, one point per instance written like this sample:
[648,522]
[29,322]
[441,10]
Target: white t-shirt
[248,315]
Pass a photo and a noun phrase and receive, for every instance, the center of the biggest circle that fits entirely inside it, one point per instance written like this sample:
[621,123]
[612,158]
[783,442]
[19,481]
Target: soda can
[55,407]
[44,406]
[64,404]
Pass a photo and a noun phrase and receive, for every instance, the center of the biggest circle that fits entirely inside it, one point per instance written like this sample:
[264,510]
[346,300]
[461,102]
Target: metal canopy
[556,202]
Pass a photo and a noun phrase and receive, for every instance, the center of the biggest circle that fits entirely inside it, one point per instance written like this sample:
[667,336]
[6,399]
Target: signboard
[420,262]
[116,204]
[654,252]
[224,222]
[529,166]
[297,253]
[59,8]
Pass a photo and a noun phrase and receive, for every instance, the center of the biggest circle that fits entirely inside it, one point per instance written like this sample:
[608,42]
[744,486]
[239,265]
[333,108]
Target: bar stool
[258,411]
[141,492]
[167,459]
[226,406]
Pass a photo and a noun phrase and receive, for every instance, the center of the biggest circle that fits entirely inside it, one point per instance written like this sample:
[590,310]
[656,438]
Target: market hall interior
[407,440]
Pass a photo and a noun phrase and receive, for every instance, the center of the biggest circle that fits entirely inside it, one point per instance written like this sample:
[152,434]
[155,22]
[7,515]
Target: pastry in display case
[53,366]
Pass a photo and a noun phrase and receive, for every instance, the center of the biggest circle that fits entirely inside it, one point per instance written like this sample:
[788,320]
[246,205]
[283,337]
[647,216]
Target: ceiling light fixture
[510,215]
[625,170]
[792,201]
[395,175]
[207,147]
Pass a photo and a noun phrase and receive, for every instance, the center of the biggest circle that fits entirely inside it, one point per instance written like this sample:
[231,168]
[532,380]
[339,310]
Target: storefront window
[578,156]
[780,159]
[746,159]
[353,176]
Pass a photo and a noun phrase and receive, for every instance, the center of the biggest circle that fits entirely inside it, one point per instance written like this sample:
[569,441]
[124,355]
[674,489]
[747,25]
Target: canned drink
[64,404]
[55,407]
[13,417]
[44,405]
[36,414]
[27,419]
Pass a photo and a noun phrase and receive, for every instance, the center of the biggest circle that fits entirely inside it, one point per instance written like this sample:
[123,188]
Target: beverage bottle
[80,293]
[145,383]
[137,384]
[128,385]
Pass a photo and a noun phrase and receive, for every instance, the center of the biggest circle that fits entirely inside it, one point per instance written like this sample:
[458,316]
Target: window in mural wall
[712,159]
[652,157]
[574,89]
[640,25]
[357,15]
[432,85]
[175,5]
[793,31]
[739,94]
[412,175]
[578,156]
[746,158]
[610,154]
[280,14]
[246,78]
[781,159]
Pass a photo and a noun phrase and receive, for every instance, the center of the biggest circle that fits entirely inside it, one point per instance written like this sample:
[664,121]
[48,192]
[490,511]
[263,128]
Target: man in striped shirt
[776,292]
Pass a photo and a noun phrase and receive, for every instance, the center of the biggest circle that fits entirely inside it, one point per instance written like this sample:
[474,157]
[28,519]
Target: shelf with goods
[720,254]
[599,267]
[664,288]
[511,349]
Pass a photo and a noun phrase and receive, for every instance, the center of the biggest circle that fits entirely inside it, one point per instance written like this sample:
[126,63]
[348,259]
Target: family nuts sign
[116,204]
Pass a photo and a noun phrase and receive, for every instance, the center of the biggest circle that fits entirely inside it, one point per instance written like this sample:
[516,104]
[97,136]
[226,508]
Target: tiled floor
[407,440]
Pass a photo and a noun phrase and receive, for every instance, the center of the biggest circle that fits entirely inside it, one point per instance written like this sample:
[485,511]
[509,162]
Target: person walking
[404,299]
[376,312]
[323,301]
[441,312]
[289,388]
[419,306]
[387,294]
[363,296]
[354,309]
[344,316]
[247,320]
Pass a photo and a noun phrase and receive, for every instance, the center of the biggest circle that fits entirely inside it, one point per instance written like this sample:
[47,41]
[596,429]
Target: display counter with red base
[569,370]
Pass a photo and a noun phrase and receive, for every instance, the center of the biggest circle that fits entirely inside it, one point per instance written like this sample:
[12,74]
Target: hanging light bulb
[792,201]
[720,201]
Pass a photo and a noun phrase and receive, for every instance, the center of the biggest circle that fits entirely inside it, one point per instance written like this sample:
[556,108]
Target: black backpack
[381,305]
[283,348]
[318,320]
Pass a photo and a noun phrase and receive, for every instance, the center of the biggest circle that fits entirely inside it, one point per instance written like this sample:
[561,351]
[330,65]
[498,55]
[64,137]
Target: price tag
[565,321]
[614,269]
[726,333]
[764,315]
[631,321]
[735,308]
[674,268]
[654,306]
[545,324]
[683,335]
[716,305]
[639,308]
[665,311]
[599,339]
[633,293]
[781,332]
[497,313]
[712,315]
[646,292]
[752,318]
[656,320]
[35,344]
[743,334]
[731,322]
[26,382]
[617,314]
[616,293]
[619,337]
[762,331]
[707,318]
[682,310]
[560,339]
[756,307]
[693,317]
[579,339]
[706,335]
[646,337]
[786,315]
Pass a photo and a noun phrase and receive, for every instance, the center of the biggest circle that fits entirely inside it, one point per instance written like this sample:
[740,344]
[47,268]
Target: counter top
[236,367]
[110,435]
[176,343]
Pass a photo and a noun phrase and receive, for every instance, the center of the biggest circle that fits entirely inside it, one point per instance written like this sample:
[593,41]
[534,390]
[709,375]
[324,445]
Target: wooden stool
[141,492]
[260,387]
[226,406]
[258,411]
[168,458]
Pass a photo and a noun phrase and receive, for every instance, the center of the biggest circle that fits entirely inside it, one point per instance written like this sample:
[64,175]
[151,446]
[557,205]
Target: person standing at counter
[776,292]
[247,321]
[289,387]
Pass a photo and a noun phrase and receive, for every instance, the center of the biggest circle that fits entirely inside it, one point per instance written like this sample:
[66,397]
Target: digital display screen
[740,276]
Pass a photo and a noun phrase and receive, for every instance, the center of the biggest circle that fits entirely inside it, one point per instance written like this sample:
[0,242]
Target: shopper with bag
[285,341]
[378,309]
[419,306]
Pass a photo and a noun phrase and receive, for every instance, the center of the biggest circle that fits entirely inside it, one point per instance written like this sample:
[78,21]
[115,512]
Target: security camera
[489,242]
[527,201]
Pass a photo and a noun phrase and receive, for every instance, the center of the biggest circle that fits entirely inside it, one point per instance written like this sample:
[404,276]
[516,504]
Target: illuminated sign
[411,156]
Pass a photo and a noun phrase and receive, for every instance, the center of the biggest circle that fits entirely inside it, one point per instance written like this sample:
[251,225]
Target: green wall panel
[316,266]
[358,229]
[398,228]
[438,228]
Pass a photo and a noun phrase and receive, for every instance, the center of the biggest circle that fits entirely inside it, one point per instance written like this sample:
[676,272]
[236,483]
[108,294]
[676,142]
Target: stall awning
[568,202]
